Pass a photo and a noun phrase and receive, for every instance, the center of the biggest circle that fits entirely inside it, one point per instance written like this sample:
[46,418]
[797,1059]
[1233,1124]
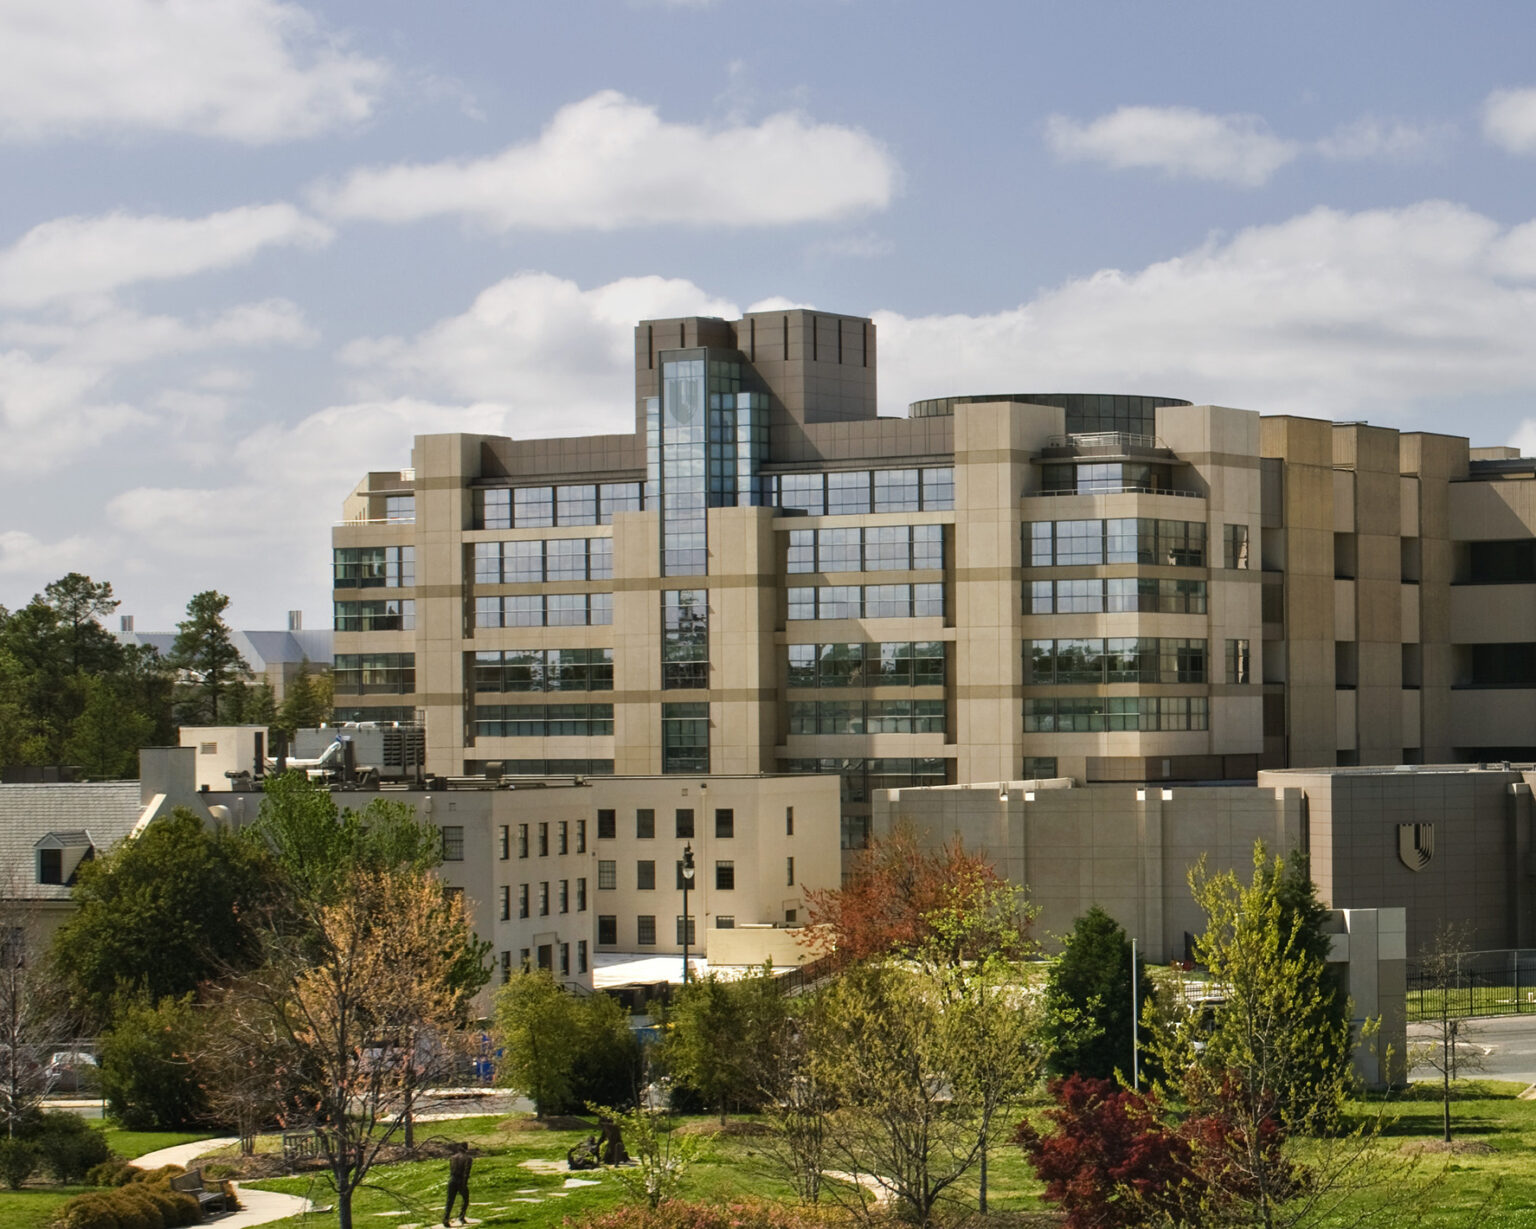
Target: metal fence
[1493,983]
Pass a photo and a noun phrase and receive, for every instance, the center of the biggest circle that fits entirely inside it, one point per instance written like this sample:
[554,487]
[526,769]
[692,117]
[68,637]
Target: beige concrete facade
[1214,593]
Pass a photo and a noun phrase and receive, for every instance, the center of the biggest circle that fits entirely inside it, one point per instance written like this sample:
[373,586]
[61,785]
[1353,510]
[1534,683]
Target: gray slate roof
[108,809]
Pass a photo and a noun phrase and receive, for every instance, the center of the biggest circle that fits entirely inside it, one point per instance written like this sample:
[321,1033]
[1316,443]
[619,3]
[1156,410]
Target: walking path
[257,1207]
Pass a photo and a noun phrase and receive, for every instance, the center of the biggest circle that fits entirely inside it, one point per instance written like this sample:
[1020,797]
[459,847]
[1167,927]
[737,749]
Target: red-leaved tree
[1110,1161]
[945,905]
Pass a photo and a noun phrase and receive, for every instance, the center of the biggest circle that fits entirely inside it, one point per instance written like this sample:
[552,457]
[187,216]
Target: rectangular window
[607,825]
[565,896]
[522,900]
[453,842]
[544,840]
[506,967]
[685,823]
[522,840]
[581,895]
[789,821]
[1039,767]
[685,738]
[688,934]
[725,822]
[645,930]
[505,894]
[645,875]
[1237,661]
[565,960]
[789,871]
[504,841]
[544,899]
[1234,543]
[725,921]
[645,824]
[581,955]
[581,836]
[563,837]
[725,876]
[524,959]
[607,875]
[607,930]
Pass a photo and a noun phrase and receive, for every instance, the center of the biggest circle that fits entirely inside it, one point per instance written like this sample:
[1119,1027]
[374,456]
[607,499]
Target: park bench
[299,1146]
[191,1183]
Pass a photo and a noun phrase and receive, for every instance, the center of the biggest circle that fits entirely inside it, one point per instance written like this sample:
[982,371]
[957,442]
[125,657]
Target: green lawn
[1493,1184]
[131,1144]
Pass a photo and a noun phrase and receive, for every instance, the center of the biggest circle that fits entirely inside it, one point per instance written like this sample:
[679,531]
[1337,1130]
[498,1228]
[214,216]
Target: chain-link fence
[1494,983]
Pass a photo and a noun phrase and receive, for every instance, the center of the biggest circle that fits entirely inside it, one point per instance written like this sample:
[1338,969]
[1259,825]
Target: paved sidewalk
[182,1154]
[258,1207]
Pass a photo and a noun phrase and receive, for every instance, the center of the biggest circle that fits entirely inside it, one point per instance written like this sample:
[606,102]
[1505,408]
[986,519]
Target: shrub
[108,1173]
[91,1211]
[161,1174]
[70,1149]
[18,1159]
[688,1214]
[136,1208]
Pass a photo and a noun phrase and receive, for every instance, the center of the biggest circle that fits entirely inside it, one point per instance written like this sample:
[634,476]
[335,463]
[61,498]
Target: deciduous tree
[561,1051]
[1440,966]
[719,1033]
[31,1015]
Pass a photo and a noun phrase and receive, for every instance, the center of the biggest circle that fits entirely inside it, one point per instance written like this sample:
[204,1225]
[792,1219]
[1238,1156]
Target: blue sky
[249,248]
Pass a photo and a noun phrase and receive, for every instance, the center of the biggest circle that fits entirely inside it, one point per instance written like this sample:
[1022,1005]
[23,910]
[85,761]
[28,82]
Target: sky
[249,249]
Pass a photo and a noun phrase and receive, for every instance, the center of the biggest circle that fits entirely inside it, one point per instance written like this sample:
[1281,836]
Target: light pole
[687,883]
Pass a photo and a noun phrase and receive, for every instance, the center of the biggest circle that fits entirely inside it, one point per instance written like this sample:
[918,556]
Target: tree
[160,914]
[105,739]
[205,653]
[351,1005]
[904,900]
[1088,995]
[31,1021]
[719,1033]
[79,602]
[918,1062]
[561,1051]
[307,702]
[1440,966]
[147,1073]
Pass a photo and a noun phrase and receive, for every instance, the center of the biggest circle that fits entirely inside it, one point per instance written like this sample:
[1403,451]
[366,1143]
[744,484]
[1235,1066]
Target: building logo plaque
[1415,845]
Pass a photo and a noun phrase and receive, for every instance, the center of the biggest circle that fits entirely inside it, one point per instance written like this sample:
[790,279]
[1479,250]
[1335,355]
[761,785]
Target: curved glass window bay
[1103,714]
[1143,540]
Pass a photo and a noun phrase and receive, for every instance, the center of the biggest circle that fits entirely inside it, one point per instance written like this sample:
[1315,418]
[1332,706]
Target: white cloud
[559,359]
[23,554]
[1509,120]
[1369,138]
[1180,141]
[1379,314]
[249,70]
[74,256]
[608,162]
[58,394]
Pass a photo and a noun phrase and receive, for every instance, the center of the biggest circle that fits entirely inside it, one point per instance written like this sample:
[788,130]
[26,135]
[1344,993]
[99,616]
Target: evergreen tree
[205,653]
[1088,999]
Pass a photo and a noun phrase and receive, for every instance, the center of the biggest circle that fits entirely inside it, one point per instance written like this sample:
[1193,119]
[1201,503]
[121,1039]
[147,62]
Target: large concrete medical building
[764,576]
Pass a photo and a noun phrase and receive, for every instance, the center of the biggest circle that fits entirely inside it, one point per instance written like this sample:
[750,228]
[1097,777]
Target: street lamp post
[687,883]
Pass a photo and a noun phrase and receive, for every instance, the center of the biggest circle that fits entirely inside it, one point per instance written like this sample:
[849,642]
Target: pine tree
[205,652]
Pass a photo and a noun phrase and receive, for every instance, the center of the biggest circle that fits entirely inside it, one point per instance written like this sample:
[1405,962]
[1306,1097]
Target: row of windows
[538,768]
[542,720]
[539,507]
[866,717]
[1118,540]
[856,492]
[562,843]
[1102,477]
[1115,595]
[1099,714]
[861,776]
[866,602]
[645,875]
[375,673]
[541,560]
[645,823]
[374,567]
[544,670]
[545,610]
[546,959]
[883,548]
[890,663]
[1145,659]
[684,638]
[562,898]
[645,929]
[389,615]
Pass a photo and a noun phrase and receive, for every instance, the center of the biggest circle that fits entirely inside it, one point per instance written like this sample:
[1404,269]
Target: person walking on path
[459,1164]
